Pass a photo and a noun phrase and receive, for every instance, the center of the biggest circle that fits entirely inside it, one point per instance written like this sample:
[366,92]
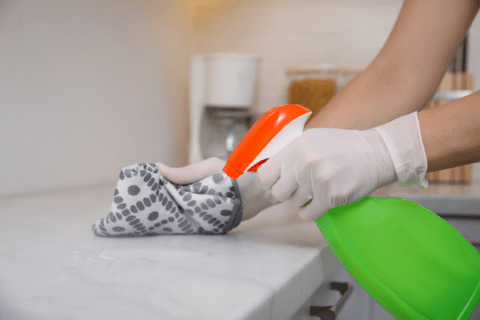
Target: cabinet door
[357,305]
[379,313]
[470,229]
[323,294]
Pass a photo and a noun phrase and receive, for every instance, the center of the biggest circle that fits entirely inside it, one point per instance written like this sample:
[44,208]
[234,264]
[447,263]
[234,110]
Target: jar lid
[230,55]
[312,69]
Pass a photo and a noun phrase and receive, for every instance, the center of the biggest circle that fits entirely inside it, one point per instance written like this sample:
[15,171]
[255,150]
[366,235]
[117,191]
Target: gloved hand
[254,198]
[335,167]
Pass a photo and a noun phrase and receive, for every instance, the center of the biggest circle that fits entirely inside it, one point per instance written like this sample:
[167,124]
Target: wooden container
[462,174]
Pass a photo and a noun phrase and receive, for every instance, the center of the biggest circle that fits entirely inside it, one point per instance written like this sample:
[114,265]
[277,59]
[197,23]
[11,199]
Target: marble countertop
[443,199]
[53,267]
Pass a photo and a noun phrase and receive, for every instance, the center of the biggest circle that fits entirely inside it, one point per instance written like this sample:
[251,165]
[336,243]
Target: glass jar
[313,86]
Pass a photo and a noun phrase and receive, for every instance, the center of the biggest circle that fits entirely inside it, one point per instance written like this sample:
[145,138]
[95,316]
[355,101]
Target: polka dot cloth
[145,203]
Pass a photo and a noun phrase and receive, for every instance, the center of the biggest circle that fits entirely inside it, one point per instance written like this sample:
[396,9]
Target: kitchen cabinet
[357,305]
[469,226]
[378,313]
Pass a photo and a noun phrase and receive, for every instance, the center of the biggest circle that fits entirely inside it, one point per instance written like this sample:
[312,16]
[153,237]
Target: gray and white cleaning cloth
[145,203]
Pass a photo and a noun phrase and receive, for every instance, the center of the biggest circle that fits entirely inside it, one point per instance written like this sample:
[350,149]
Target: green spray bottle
[411,261]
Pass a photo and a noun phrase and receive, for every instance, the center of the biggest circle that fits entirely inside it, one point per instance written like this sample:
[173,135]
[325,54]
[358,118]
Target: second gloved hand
[333,167]
[330,166]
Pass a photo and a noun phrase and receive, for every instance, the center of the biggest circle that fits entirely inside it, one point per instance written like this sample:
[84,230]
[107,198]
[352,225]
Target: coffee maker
[222,92]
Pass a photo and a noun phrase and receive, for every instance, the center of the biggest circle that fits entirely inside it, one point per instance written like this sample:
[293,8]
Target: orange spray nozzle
[271,132]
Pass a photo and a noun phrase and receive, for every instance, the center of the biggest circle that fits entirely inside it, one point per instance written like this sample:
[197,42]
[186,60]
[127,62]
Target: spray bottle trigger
[255,167]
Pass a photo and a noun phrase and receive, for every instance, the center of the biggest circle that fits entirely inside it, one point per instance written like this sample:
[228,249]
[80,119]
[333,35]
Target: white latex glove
[335,167]
[254,197]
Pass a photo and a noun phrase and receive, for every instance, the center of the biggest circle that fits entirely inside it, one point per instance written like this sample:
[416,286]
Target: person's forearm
[407,71]
[369,100]
[451,133]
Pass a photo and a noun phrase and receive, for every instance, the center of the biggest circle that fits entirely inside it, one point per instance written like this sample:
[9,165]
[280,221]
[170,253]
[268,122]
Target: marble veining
[53,267]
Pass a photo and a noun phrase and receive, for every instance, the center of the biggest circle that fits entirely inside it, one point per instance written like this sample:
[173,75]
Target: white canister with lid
[231,79]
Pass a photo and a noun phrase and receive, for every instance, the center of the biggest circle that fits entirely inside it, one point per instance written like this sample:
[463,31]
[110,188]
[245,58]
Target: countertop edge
[443,199]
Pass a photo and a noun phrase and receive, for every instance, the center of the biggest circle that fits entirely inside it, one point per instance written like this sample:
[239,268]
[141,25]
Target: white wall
[88,87]
[290,32]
